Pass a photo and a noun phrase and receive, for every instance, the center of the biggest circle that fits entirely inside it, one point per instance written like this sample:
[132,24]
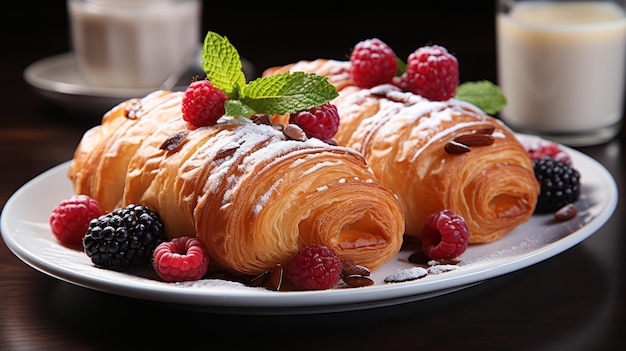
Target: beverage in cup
[562,66]
[133,43]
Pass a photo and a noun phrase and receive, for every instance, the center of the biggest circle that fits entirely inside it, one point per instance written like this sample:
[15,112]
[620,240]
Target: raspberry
[319,122]
[549,149]
[560,184]
[203,103]
[70,218]
[315,267]
[123,238]
[372,63]
[181,259]
[430,72]
[445,235]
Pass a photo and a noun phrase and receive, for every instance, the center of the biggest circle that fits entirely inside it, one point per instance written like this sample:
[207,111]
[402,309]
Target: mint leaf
[236,108]
[278,94]
[484,94]
[288,93]
[222,65]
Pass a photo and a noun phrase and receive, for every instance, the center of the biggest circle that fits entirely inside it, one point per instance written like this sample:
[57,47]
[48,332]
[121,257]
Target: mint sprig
[484,94]
[277,94]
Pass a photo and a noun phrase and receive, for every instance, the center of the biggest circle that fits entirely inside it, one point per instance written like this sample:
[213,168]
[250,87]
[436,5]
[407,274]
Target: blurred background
[271,34]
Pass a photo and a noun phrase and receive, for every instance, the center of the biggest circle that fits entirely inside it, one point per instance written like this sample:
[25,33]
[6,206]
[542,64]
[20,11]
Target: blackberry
[123,238]
[560,184]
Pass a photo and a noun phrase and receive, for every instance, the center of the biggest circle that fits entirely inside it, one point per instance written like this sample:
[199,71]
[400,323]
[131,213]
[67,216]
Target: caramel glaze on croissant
[252,196]
[404,136]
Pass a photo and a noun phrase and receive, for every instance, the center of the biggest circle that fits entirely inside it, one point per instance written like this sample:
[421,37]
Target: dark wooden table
[573,301]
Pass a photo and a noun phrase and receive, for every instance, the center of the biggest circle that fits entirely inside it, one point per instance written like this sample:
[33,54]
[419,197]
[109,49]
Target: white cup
[133,43]
[561,67]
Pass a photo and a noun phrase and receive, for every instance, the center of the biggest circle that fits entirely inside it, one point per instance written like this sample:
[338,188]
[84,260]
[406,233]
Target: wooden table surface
[573,301]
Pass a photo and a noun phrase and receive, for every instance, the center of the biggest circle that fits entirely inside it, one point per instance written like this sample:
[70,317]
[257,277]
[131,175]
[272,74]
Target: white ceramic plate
[25,230]
[57,79]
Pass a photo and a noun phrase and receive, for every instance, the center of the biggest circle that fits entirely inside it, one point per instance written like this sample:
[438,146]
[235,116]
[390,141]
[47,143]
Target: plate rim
[302,302]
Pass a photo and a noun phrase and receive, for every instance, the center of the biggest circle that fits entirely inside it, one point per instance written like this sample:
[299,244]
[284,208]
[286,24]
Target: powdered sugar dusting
[442,268]
[320,165]
[256,149]
[322,188]
[425,116]
[262,200]
[407,274]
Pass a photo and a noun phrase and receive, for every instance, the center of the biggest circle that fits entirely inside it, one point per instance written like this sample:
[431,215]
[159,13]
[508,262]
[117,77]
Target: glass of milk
[133,43]
[562,67]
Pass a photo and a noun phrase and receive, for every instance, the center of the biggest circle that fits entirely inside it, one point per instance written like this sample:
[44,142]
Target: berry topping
[372,63]
[319,122]
[445,235]
[181,259]
[124,237]
[560,184]
[70,218]
[549,149]
[203,103]
[315,267]
[431,72]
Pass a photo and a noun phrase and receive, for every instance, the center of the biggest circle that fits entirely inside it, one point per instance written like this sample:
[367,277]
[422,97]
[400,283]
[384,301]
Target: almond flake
[356,281]
[566,212]
[475,139]
[485,130]
[174,141]
[351,268]
[133,109]
[294,132]
[454,148]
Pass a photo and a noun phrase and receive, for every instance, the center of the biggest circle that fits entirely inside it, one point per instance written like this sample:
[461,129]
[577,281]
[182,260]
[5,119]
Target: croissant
[251,196]
[418,148]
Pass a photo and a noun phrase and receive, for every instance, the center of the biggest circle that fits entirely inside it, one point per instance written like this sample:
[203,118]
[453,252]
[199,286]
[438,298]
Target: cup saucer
[57,79]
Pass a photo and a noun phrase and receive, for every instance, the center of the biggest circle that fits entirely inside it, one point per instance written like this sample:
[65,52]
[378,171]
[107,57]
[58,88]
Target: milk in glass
[133,43]
[561,66]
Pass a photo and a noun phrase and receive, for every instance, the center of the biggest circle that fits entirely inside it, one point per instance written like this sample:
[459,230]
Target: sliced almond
[567,212]
[133,109]
[356,281]
[226,152]
[351,268]
[454,147]
[475,139]
[261,118]
[485,130]
[174,141]
[294,132]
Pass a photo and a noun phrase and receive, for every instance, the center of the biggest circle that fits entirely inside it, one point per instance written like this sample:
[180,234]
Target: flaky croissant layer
[411,145]
[252,196]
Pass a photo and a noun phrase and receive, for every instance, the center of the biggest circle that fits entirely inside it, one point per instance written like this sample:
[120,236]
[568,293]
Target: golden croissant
[252,196]
[434,155]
